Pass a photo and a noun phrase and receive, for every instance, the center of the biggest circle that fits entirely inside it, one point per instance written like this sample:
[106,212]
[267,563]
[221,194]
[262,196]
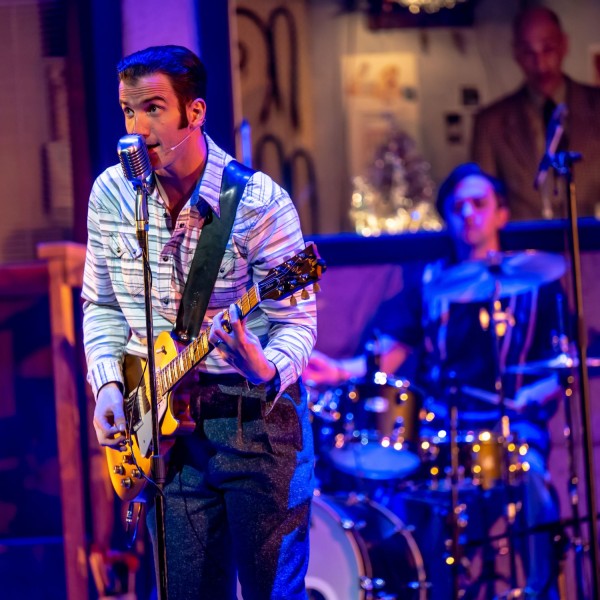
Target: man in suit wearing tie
[509,137]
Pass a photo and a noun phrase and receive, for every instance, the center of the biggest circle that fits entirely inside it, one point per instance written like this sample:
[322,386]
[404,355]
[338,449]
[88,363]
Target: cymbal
[562,362]
[501,274]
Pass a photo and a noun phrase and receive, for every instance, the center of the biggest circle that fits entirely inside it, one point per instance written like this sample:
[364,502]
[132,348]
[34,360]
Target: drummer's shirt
[455,346]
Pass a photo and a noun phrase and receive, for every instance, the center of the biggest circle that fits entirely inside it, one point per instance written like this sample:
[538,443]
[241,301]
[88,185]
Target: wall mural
[273,88]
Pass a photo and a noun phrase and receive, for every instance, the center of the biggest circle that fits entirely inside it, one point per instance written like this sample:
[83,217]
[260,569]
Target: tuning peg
[316,288]
[304,295]
[293,301]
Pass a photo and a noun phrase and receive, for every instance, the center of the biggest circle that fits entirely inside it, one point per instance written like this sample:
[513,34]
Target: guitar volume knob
[127,483]
[119,470]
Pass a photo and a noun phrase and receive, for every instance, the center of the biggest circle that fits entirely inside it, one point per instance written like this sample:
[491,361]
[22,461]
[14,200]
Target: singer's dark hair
[184,69]
[461,172]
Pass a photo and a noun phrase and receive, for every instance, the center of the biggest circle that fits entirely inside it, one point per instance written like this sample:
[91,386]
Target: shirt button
[165,258]
[181,225]
[165,301]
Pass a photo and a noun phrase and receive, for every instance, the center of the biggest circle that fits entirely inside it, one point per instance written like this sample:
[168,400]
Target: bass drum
[359,550]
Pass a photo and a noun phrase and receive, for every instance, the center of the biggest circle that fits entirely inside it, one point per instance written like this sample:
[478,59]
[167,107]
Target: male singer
[239,488]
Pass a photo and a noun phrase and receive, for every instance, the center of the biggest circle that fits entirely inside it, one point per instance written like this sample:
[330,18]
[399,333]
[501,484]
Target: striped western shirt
[265,233]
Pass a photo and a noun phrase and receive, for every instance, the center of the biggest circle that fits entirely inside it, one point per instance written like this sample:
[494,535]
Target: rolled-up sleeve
[105,329]
[275,237]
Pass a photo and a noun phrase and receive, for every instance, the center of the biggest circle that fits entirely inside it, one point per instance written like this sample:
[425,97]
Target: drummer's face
[474,216]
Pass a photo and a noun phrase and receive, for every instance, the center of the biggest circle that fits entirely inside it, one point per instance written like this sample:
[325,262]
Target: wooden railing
[65,262]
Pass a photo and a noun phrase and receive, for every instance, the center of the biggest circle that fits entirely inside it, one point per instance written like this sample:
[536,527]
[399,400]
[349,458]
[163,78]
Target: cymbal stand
[509,503]
[455,526]
[563,165]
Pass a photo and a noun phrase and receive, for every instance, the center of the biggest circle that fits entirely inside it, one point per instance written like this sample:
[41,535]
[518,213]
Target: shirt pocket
[231,281]
[127,258]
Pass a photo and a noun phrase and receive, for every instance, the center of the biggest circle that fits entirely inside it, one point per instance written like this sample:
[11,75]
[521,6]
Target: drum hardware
[485,396]
[499,275]
[379,420]
[430,512]
[497,463]
[563,364]
[359,550]
[367,405]
[511,506]
[326,405]
[455,548]
[480,456]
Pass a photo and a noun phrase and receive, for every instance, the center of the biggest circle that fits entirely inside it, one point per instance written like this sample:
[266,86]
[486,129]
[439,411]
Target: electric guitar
[130,469]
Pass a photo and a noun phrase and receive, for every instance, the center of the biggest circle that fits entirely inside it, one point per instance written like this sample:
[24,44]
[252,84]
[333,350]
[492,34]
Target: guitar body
[127,468]
[130,468]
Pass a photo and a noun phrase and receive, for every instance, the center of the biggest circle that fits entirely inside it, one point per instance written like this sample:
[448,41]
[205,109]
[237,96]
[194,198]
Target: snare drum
[479,458]
[360,551]
[380,429]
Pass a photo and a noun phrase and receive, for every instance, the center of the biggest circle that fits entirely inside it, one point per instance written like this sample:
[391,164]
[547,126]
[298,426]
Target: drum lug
[370,584]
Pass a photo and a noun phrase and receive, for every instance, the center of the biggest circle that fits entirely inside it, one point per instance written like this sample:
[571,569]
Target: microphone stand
[157,461]
[563,165]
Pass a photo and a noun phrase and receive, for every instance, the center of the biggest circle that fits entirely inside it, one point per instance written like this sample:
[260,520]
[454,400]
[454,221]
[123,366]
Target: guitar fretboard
[192,354]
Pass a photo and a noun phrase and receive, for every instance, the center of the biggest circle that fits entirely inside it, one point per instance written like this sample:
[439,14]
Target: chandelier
[428,6]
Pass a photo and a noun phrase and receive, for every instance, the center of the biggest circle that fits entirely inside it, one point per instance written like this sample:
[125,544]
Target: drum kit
[403,483]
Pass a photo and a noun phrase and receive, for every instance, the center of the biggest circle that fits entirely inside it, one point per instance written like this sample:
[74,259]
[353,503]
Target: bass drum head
[356,544]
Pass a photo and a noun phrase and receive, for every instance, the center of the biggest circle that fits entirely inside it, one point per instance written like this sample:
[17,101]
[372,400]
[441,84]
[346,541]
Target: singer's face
[152,110]
[473,214]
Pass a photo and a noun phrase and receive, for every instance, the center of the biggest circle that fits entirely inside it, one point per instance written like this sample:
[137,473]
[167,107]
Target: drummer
[453,345]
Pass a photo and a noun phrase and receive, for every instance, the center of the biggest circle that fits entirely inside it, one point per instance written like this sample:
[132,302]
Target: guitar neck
[198,349]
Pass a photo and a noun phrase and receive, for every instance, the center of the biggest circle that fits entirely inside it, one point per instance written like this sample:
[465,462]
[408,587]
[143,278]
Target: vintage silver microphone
[135,161]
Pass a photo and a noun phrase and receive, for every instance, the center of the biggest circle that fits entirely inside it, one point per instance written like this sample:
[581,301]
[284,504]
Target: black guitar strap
[209,253]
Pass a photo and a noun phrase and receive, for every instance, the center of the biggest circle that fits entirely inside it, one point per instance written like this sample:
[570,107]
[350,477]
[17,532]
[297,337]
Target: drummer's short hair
[461,172]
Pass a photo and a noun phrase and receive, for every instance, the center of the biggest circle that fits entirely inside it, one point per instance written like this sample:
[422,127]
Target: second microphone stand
[563,165]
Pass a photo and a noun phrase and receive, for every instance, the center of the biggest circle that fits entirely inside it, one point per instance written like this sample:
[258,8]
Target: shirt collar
[209,186]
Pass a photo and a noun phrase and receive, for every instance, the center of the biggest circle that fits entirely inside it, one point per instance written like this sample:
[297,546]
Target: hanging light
[428,6]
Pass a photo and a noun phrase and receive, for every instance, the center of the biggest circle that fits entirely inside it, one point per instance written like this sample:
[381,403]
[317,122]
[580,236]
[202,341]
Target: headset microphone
[184,139]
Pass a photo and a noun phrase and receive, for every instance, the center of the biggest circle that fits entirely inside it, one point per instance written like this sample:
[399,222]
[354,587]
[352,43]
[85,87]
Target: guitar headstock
[292,275]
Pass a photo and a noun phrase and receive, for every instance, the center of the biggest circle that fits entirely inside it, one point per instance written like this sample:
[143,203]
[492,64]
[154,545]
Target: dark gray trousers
[238,496]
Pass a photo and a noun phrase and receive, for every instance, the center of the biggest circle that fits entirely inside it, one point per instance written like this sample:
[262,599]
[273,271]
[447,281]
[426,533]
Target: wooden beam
[65,267]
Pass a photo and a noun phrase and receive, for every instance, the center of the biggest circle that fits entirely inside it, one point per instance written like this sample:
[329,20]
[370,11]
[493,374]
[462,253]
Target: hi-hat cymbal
[501,274]
[562,362]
